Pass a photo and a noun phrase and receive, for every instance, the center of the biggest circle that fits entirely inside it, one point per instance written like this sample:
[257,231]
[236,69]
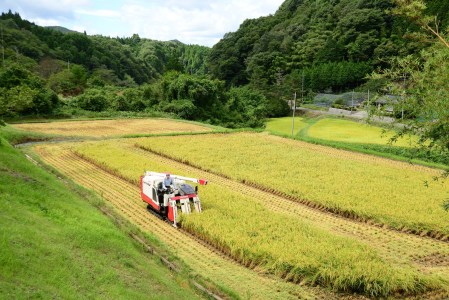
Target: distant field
[353,132]
[284,125]
[339,130]
[108,128]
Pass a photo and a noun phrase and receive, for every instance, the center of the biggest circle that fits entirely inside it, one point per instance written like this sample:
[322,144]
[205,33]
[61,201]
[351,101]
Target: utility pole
[403,98]
[368,107]
[302,88]
[293,117]
[352,100]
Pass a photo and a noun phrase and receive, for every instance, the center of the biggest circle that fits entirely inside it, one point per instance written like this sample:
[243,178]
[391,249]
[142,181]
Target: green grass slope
[55,244]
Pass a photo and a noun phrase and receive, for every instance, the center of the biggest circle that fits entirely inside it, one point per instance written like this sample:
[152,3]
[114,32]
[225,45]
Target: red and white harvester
[168,202]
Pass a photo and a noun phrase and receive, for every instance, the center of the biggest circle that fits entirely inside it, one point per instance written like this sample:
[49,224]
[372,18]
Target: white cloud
[44,8]
[98,13]
[193,21]
[190,21]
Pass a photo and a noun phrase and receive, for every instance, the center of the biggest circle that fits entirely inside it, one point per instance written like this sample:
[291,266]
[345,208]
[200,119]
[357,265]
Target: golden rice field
[202,259]
[388,192]
[276,243]
[248,215]
[109,128]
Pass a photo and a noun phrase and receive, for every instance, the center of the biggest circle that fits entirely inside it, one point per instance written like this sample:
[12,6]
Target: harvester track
[202,258]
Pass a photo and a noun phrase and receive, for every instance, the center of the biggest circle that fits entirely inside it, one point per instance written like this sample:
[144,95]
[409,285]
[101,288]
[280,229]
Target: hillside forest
[310,46]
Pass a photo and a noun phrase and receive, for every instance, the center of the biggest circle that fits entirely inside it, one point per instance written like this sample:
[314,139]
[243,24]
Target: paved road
[358,115]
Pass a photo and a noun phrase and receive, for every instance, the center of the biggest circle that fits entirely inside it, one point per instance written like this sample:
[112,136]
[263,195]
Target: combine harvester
[166,202]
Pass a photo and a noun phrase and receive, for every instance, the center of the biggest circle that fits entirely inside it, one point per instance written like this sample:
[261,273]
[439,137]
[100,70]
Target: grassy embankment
[55,244]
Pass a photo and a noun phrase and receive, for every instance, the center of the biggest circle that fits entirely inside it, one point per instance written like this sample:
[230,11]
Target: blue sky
[189,21]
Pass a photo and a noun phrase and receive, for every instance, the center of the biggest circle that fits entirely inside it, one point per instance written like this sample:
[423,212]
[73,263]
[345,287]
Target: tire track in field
[429,255]
[203,259]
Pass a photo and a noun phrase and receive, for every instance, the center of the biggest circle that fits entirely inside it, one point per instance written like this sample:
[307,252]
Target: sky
[201,22]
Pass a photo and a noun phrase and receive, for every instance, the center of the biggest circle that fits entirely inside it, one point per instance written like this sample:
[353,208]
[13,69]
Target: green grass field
[283,126]
[55,244]
[333,129]
[354,132]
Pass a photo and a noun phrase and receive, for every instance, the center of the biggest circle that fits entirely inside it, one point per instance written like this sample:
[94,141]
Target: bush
[183,108]
[93,100]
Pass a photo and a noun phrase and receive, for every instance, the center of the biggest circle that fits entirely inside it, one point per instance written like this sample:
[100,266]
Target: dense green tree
[69,81]
[23,92]
[93,100]
[246,107]
[227,58]
[205,94]
[357,35]
[422,81]
[134,99]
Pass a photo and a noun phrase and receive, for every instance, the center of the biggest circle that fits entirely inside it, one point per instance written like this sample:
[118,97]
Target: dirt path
[203,259]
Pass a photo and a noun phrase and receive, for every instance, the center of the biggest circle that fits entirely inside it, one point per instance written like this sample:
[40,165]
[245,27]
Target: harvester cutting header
[166,194]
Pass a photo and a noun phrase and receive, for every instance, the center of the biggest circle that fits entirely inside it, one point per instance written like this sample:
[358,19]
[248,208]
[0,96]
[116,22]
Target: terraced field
[202,258]
[422,255]
[108,128]
[272,222]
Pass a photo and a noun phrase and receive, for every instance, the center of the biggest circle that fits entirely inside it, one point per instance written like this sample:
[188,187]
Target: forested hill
[334,42]
[326,45]
[140,59]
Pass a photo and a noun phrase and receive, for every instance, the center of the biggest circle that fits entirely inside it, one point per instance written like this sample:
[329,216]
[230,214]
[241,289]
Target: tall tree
[422,81]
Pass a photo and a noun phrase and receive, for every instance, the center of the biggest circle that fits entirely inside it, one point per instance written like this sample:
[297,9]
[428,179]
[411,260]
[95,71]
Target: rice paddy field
[284,126]
[337,130]
[385,191]
[110,128]
[282,219]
